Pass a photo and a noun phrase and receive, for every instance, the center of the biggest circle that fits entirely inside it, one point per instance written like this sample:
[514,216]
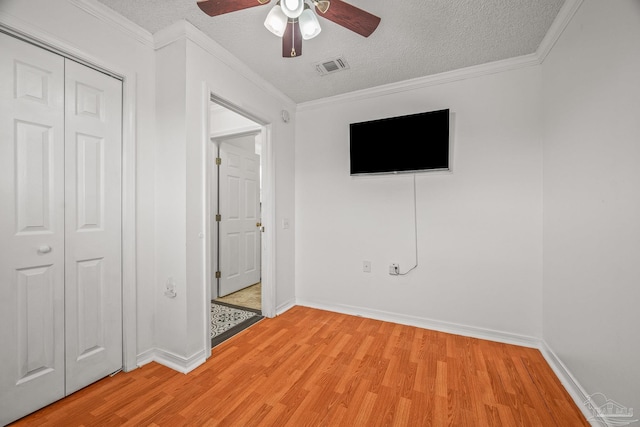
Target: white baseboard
[285,307]
[170,360]
[145,357]
[570,383]
[421,322]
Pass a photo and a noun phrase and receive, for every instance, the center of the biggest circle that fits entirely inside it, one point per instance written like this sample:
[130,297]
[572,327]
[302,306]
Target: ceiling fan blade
[292,40]
[350,17]
[219,7]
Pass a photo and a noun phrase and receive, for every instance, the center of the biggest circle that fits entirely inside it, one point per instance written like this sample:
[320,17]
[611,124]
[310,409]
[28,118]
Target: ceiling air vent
[331,66]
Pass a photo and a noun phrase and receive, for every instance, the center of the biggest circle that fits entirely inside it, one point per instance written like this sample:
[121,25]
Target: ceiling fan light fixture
[309,25]
[276,21]
[292,8]
[297,20]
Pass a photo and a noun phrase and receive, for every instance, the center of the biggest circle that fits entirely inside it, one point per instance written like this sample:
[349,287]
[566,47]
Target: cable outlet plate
[394,269]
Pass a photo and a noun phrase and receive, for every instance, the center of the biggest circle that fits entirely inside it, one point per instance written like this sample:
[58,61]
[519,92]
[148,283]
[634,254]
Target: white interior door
[31,228]
[239,207]
[60,214]
[93,290]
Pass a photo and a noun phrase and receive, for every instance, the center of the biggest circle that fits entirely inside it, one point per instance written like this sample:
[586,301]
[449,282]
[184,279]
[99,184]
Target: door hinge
[218,217]
[218,161]
[218,275]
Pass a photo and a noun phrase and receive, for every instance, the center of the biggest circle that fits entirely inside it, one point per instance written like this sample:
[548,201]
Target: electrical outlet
[170,291]
[366,266]
[394,269]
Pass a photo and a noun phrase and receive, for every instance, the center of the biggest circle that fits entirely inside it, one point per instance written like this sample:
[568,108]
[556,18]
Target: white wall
[479,227]
[591,108]
[171,194]
[191,63]
[224,121]
[64,24]
[240,87]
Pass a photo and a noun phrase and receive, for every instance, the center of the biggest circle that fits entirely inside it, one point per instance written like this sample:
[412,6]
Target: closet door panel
[93,103]
[31,228]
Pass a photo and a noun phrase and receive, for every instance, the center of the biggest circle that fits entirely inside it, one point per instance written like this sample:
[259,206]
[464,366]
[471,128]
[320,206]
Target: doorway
[238,265]
[235,171]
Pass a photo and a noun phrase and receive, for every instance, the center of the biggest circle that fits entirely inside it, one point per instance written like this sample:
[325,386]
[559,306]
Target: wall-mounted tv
[411,143]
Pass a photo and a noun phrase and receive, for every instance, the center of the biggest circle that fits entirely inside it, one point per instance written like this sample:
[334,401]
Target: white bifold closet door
[60,227]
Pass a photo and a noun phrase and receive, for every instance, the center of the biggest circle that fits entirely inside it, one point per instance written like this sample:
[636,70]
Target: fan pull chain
[293,39]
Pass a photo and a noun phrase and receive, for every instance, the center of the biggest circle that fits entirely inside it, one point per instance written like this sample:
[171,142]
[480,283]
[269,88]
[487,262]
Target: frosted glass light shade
[292,8]
[309,25]
[276,21]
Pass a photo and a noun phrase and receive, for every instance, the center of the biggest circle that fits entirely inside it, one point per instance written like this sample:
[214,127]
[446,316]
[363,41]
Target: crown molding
[567,11]
[114,19]
[426,81]
[171,34]
[185,30]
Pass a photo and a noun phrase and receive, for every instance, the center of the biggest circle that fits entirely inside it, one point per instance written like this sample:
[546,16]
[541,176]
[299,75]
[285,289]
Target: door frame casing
[34,36]
[267,254]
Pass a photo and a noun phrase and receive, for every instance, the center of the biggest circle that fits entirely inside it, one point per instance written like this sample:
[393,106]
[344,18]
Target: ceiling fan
[294,20]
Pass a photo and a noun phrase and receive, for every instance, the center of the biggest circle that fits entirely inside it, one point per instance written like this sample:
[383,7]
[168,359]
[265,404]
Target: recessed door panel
[33,83]
[250,240]
[251,199]
[90,181]
[233,204]
[233,249]
[90,101]
[33,174]
[36,322]
[90,300]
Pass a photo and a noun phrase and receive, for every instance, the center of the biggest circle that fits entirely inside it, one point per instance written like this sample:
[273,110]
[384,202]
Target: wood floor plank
[311,367]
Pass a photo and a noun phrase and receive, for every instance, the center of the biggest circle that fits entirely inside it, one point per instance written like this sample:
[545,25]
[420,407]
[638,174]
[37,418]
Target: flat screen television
[411,143]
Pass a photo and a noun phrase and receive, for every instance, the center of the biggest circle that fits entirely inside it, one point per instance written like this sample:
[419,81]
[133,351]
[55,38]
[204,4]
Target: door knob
[258,224]
[44,249]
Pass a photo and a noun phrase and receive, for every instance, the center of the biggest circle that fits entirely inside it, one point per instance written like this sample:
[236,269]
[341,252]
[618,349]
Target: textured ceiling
[415,38]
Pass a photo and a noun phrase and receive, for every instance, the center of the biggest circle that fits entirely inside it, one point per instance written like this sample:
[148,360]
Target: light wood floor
[310,367]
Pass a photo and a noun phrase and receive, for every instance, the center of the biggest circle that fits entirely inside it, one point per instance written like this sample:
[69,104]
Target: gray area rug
[227,320]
